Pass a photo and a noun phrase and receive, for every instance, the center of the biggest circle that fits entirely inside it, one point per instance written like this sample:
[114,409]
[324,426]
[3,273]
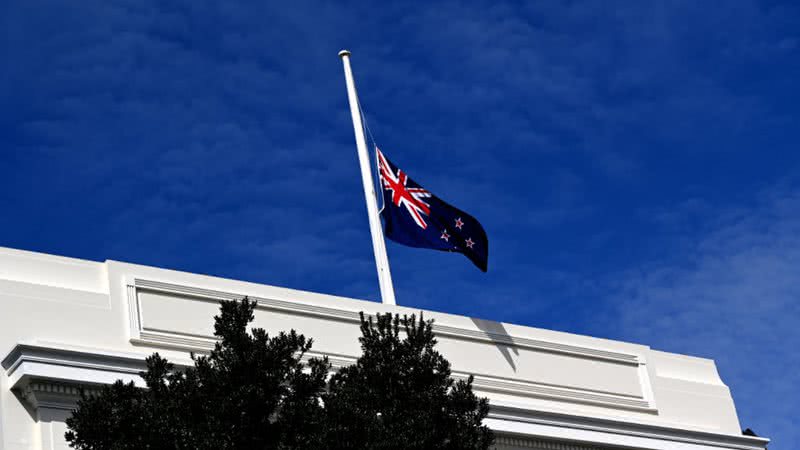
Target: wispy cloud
[730,294]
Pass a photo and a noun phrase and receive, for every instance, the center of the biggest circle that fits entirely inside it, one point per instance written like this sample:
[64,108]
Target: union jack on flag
[413,216]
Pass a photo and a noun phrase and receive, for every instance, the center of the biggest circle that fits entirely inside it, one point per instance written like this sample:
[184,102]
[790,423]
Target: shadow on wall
[498,334]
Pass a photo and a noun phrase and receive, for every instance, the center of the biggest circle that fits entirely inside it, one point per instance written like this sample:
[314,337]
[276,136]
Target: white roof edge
[159,275]
[87,275]
[62,272]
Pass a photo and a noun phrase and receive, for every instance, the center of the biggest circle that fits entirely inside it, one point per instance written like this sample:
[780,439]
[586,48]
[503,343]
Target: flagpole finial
[344,53]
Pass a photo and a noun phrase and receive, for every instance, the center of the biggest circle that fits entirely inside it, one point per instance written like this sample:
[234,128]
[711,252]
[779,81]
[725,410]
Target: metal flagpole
[378,243]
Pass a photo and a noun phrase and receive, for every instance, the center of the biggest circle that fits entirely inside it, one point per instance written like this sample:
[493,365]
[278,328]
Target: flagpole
[378,243]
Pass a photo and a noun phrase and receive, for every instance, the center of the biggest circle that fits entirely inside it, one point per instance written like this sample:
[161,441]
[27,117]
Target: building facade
[67,323]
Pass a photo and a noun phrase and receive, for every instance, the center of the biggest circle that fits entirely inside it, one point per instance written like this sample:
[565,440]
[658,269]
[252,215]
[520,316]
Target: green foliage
[253,392]
[400,394]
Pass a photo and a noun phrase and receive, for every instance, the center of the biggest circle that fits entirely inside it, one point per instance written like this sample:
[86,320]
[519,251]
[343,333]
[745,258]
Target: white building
[66,322]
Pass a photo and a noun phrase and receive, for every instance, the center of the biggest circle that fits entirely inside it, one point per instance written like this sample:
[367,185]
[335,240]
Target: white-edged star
[469,243]
[459,223]
[445,236]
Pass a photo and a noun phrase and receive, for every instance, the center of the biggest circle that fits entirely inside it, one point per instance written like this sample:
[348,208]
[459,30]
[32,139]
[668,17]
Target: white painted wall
[65,321]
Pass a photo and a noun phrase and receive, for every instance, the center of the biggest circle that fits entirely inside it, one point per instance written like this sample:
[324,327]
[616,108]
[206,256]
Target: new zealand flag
[415,217]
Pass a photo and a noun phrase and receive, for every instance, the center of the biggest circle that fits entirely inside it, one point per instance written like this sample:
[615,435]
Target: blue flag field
[413,216]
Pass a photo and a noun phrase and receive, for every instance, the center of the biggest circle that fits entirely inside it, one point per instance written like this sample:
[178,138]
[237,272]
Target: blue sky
[635,164]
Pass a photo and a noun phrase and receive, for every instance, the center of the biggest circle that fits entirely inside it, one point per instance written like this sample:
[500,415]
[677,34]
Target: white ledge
[523,421]
[61,363]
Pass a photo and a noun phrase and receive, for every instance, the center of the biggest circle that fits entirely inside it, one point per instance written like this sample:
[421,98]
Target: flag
[413,216]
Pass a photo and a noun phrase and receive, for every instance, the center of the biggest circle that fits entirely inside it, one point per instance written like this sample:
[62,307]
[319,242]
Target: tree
[400,394]
[251,392]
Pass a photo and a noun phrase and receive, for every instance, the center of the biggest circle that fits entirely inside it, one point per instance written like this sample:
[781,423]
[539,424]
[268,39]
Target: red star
[459,223]
[445,236]
[469,243]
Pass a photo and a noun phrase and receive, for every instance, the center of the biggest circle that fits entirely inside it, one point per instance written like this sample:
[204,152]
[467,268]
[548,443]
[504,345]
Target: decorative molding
[74,366]
[539,345]
[71,357]
[353,316]
[141,335]
[133,309]
[528,389]
[540,444]
[176,341]
[46,394]
[520,388]
[608,427]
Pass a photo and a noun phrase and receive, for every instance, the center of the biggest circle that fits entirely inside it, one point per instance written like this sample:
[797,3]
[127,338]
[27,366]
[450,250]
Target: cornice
[541,444]
[525,415]
[48,394]
[72,357]
[62,364]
